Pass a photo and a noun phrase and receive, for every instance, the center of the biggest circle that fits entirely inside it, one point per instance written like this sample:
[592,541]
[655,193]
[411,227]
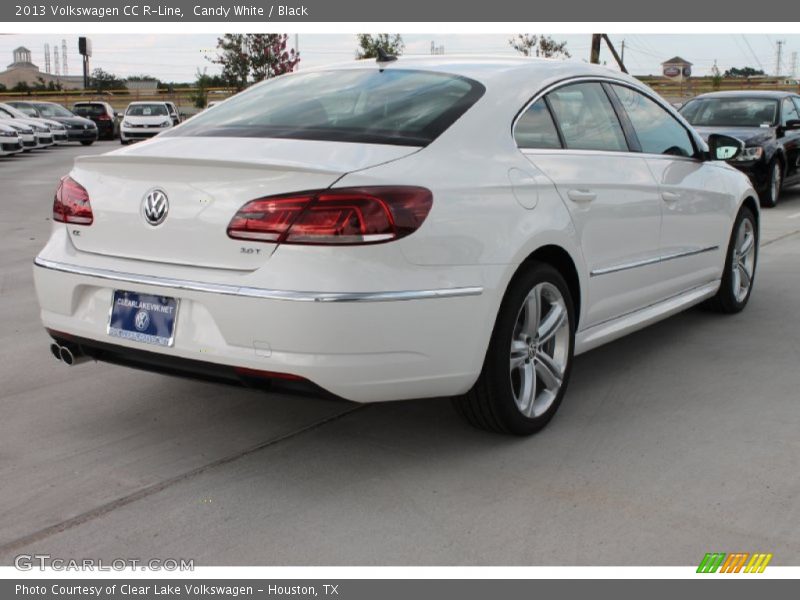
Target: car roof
[146,102]
[769,94]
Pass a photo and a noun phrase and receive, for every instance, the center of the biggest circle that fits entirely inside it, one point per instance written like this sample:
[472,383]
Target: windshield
[13,112]
[731,112]
[52,110]
[27,109]
[146,110]
[392,106]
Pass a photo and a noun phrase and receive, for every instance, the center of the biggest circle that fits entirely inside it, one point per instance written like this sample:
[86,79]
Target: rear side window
[390,106]
[535,128]
[586,118]
[658,131]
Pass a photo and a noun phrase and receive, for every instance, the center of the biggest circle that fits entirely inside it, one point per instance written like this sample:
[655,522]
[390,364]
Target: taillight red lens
[71,204]
[103,117]
[347,216]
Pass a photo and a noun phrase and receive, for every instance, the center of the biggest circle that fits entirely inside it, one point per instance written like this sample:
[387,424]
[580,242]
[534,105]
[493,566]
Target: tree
[254,57]
[368,44]
[716,78]
[529,44]
[203,82]
[269,56]
[733,72]
[101,80]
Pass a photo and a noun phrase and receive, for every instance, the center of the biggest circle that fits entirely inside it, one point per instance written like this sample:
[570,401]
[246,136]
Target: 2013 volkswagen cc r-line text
[401,229]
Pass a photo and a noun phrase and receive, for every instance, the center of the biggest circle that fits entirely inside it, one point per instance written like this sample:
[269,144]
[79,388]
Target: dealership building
[22,70]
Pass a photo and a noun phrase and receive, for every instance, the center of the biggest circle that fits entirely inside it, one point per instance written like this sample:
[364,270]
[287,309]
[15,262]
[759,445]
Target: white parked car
[27,136]
[425,227]
[144,120]
[57,130]
[9,140]
[43,131]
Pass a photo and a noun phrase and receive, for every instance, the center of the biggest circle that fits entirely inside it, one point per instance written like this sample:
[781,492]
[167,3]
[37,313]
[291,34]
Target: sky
[178,57]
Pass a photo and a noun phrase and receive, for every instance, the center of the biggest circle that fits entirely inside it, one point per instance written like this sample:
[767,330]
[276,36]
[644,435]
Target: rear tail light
[71,204]
[103,118]
[346,216]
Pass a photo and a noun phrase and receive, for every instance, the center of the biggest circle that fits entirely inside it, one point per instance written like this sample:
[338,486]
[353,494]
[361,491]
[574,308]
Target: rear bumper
[363,346]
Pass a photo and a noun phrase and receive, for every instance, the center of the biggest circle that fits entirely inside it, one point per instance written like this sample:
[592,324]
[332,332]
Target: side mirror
[724,147]
[793,124]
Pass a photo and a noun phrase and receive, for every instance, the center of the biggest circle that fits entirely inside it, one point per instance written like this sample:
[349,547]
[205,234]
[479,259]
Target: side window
[586,118]
[788,111]
[535,128]
[658,131]
[796,103]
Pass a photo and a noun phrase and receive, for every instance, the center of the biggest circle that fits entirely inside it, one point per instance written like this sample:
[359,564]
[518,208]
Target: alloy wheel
[743,260]
[539,350]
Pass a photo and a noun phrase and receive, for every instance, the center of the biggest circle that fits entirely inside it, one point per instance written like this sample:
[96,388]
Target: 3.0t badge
[155,206]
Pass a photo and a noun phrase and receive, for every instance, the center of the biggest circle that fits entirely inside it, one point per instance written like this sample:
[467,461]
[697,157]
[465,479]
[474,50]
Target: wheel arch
[560,259]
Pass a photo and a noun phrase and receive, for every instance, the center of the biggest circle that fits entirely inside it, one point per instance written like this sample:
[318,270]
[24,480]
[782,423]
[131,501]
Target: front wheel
[740,265]
[87,142]
[769,197]
[527,364]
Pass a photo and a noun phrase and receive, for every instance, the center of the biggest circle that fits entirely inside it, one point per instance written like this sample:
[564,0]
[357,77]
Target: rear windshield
[394,106]
[94,110]
[731,112]
[146,110]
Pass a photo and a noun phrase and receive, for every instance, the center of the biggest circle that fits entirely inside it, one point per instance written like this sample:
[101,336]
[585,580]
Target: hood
[74,121]
[751,136]
[18,125]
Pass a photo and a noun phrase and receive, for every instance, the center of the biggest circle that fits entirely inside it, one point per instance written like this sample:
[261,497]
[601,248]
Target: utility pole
[778,57]
[622,51]
[594,56]
[47,58]
[793,71]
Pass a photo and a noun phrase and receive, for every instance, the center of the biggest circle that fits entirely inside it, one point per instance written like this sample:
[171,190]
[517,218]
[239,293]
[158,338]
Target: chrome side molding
[254,292]
[650,261]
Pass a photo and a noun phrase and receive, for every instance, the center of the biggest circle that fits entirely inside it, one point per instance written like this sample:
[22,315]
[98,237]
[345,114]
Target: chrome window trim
[254,292]
[650,261]
[647,92]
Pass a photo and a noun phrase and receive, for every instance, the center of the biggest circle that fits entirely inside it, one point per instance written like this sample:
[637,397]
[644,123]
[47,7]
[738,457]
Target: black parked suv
[769,125]
[78,129]
[103,115]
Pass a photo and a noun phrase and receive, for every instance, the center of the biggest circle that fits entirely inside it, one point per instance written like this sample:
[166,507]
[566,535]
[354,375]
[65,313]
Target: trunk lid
[206,180]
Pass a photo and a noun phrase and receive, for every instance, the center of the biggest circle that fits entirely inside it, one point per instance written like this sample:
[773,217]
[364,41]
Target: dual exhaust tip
[70,355]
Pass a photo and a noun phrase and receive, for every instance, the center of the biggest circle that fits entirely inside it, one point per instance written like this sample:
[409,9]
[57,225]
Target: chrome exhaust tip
[72,356]
[55,350]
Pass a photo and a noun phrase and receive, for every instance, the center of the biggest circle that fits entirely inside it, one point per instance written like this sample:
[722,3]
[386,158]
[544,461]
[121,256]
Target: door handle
[670,196]
[581,195]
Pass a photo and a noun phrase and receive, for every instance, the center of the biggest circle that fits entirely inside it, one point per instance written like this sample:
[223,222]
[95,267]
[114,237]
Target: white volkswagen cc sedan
[402,229]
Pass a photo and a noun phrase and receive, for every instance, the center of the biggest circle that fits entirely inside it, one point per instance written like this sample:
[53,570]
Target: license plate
[143,318]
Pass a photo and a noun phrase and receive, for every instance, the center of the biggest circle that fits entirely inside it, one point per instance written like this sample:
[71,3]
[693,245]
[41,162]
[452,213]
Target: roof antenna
[383,56]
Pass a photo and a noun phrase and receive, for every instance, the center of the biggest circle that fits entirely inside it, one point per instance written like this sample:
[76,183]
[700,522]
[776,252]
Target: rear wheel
[769,197]
[740,265]
[87,142]
[527,365]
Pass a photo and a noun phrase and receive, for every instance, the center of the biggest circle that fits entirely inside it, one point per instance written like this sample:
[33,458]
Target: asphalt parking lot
[673,442]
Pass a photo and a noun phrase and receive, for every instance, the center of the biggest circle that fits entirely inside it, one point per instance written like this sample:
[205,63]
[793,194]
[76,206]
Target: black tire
[123,142]
[769,197]
[87,142]
[490,403]
[726,301]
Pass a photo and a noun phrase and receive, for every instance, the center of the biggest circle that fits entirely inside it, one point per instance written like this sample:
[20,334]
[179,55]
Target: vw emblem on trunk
[155,207]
